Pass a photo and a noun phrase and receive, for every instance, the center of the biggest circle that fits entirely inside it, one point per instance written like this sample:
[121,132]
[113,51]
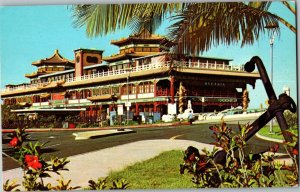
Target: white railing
[214,66]
[131,96]
[178,64]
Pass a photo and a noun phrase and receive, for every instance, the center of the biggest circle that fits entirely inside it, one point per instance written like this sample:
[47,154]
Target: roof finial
[56,51]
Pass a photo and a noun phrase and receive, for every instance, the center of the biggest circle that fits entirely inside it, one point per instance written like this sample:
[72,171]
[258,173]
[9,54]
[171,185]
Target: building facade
[142,77]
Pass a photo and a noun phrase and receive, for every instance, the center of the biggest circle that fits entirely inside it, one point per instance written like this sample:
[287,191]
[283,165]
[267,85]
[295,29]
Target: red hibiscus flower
[201,167]
[33,161]
[192,157]
[275,148]
[295,152]
[14,142]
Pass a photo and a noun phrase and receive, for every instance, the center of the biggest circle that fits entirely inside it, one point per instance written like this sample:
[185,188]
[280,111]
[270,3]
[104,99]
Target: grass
[265,131]
[161,172]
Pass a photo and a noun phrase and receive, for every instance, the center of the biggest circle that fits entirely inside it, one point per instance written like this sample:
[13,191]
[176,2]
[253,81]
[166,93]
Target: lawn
[265,131]
[161,172]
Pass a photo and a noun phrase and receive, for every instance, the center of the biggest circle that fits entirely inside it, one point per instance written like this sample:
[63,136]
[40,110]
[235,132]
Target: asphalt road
[63,144]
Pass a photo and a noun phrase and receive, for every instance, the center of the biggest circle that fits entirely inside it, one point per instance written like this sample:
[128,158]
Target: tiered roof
[55,59]
[143,37]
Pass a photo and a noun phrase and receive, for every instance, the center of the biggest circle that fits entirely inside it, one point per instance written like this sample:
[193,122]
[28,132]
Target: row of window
[136,89]
[44,69]
[140,49]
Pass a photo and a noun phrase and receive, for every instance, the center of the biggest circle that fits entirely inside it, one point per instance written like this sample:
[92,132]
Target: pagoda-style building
[53,64]
[141,77]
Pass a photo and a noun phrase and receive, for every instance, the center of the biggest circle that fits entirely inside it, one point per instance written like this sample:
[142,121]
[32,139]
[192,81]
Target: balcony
[147,67]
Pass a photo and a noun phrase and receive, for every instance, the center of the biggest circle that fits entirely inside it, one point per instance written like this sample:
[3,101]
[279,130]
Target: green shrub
[239,169]
[291,119]
[35,168]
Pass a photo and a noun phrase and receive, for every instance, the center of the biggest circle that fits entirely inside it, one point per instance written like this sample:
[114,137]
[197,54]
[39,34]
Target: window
[141,88]
[105,91]
[154,49]
[151,88]
[147,61]
[96,92]
[146,49]
[77,59]
[133,89]
[146,88]
[138,49]
[115,90]
[91,59]
[120,66]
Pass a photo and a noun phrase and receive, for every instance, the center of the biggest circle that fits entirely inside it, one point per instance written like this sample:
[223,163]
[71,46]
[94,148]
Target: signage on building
[221,100]
[120,110]
[128,104]
[172,109]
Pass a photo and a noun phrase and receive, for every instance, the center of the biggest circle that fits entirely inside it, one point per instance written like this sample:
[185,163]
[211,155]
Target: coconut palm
[196,27]
[106,18]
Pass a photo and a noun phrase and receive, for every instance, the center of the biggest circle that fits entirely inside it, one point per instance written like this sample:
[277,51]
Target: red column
[154,107]
[100,108]
[172,89]
[154,88]
[136,109]
[91,111]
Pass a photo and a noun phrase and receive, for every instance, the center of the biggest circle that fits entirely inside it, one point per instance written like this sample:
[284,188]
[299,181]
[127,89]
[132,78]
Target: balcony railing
[145,67]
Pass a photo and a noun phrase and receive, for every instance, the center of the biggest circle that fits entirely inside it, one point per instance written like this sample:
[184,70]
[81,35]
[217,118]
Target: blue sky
[29,33]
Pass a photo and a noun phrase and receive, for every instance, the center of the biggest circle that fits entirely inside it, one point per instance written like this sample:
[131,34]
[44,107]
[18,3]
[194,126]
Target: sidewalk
[100,163]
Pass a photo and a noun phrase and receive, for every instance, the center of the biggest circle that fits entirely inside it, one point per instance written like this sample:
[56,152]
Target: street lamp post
[128,108]
[273,28]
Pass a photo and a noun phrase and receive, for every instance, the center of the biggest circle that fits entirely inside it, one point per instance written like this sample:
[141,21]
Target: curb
[268,138]
[98,128]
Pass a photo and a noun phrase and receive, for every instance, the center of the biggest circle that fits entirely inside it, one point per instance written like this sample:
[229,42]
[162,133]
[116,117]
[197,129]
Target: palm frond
[202,25]
[289,6]
[102,19]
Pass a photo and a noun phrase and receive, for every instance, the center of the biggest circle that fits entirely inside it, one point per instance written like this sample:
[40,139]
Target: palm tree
[196,27]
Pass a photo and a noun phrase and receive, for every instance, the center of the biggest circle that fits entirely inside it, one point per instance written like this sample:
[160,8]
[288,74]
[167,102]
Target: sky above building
[30,33]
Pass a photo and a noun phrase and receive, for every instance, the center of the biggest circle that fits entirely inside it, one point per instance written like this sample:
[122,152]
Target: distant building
[143,73]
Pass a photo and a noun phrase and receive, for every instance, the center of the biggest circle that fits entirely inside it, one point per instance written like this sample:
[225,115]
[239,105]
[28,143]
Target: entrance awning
[106,97]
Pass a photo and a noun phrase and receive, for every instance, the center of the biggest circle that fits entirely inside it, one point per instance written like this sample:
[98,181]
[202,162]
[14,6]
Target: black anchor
[275,109]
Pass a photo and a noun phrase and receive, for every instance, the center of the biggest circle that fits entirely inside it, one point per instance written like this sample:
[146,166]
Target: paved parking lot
[63,143]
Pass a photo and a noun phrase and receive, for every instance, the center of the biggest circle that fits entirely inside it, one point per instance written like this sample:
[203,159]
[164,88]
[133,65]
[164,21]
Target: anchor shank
[283,126]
